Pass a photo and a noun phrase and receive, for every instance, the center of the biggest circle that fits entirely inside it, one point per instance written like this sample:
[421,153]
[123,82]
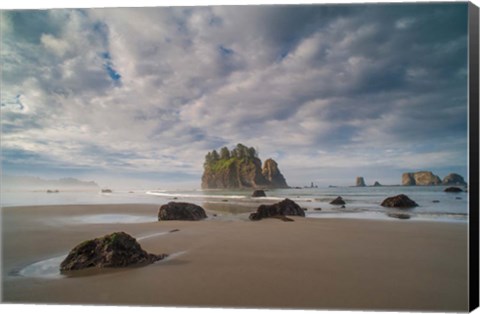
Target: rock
[286,207]
[401,201]
[338,201]
[377,184]
[259,193]
[453,179]
[343,206]
[453,189]
[273,175]
[458,198]
[360,181]
[53,191]
[181,211]
[420,178]
[435,201]
[240,168]
[317,208]
[114,250]
[398,215]
[106,191]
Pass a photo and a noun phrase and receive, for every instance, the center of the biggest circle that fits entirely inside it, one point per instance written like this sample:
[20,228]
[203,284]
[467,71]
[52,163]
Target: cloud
[151,90]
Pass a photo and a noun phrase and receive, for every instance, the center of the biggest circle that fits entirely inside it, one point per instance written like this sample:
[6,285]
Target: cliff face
[420,178]
[240,168]
[272,174]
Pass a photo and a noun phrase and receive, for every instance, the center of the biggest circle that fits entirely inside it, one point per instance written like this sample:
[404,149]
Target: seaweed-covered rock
[118,249]
[181,211]
[453,189]
[401,201]
[286,207]
[259,193]
[338,201]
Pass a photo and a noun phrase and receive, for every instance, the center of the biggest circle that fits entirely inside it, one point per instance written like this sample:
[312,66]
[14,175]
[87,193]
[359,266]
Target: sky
[127,96]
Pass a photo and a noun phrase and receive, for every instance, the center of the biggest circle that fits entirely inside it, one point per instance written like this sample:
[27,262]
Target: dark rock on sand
[400,200]
[318,208]
[114,250]
[259,193]
[338,201]
[286,207]
[181,211]
[453,189]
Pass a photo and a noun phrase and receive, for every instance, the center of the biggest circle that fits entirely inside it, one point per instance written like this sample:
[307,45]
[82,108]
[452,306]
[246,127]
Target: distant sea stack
[240,168]
[454,179]
[360,182]
[377,183]
[428,178]
[420,178]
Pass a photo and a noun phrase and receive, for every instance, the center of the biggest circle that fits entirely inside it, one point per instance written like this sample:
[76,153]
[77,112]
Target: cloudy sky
[331,92]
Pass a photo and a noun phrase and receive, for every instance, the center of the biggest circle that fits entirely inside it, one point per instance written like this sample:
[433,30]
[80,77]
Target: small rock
[259,193]
[317,208]
[286,207]
[338,201]
[181,211]
[453,189]
[458,198]
[435,201]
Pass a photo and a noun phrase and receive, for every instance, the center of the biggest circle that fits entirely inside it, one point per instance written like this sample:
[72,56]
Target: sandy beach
[228,261]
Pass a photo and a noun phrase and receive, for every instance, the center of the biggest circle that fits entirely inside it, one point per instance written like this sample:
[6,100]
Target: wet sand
[232,262]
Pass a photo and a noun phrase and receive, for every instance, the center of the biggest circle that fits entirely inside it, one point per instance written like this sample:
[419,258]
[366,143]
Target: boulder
[181,211]
[114,250]
[259,193]
[338,201]
[401,201]
[453,179]
[286,207]
[359,181]
[453,189]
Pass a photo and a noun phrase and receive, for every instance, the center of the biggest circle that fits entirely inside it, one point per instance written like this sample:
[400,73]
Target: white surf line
[50,268]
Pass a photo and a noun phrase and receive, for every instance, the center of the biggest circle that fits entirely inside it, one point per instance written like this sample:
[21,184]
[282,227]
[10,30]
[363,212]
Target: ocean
[361,202]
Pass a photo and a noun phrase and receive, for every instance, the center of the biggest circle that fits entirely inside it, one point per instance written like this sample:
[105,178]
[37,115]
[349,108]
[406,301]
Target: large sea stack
[420,178]
[240,168]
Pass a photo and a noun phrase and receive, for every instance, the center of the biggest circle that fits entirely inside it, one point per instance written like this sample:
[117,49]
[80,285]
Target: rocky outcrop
[114,250]
[273,175]
[259,193]
[401,201]
[181,211]
[359,181]
[420,178]
[240,168]
[338,201]
[286,207]
[377,183]
[453,179]
[453,189]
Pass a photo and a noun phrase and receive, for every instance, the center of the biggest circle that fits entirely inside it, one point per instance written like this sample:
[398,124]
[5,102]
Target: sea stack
[420,178]
[240,168]
[360,182]
[453,179]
